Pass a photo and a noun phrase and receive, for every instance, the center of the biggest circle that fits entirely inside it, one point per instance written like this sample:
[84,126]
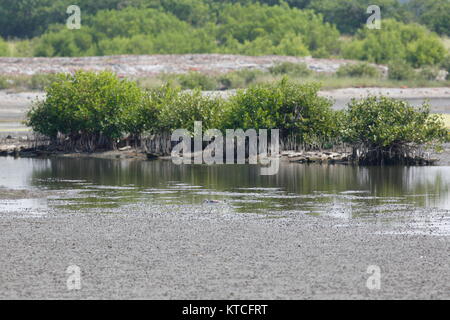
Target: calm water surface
[97,185]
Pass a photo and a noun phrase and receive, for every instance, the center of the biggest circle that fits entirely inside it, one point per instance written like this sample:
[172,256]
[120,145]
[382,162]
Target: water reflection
[337,190]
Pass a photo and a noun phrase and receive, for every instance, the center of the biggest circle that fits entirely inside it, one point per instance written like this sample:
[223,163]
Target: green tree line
[292,27]
[87,111]
[30,18]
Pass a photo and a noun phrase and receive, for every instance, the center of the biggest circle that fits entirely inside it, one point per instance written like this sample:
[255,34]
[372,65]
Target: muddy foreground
[203,252]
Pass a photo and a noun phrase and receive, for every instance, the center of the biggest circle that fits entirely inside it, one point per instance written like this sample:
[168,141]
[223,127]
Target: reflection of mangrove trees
[89,111]
[323,181]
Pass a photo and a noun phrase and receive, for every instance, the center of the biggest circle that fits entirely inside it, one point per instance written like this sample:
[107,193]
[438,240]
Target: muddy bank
[27,147]
[194,252]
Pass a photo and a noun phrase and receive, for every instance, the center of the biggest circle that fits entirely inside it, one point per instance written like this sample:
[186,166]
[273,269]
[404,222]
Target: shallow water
[98,185]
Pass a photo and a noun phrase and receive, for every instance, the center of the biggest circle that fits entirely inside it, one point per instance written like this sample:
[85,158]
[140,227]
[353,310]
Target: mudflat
[193,252]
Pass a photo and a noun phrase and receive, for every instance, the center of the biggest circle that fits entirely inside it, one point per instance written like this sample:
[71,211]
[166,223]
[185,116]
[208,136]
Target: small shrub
[428,73]
[179,110]
[400,70]
[289,68]
[3,83]
[231,80]
[4,49]
[386,130]
[24,48]
[412,43]
[361,70]
[197,80]
[91,109]
[295,109]
[240,78]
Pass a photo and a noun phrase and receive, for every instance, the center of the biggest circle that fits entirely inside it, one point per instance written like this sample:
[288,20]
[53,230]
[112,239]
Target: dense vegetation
[30,18]
[385,130]
[291,27]
[411,43]
[87,111]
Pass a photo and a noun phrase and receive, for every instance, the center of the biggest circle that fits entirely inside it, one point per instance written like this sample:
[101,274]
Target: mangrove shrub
[91,110]
[176,109]
[386,130]
[295,109]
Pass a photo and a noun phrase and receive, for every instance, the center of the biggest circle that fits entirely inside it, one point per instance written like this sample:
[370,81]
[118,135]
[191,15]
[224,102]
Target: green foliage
[24,48]
[395,40]
[435,14]
[67,43]
[289,68]
[30,18]
[350,15]
[240,78]
[3,83]
[428,73]
[139,44]
[295,109]
[182,109]
[93,110]
[192,27]
[446,63]
[249,27]
[400,70]
[197,80]
[4,50]
[264,28]
[386,128]
[87,104]
[363,70]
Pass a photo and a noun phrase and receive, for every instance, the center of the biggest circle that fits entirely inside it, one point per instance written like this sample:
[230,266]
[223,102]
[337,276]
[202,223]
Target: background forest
[414,31]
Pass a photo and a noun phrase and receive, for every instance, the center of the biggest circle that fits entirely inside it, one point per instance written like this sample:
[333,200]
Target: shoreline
[25,149]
